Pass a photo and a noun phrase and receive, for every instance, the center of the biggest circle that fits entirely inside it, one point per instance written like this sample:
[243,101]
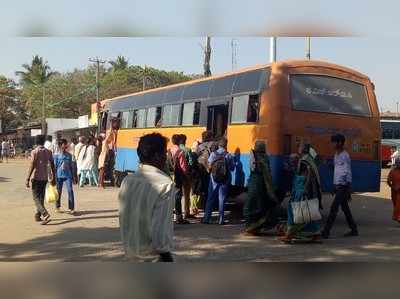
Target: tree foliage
[36,73]
[12,112]
[121,63]
[70,94]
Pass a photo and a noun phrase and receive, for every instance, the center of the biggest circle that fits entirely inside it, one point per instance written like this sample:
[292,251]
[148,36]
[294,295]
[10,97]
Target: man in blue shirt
[65,174]
[221,163]
[342,179]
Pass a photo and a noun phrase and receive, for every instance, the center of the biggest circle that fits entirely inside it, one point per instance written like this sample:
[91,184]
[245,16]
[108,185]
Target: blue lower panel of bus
[366,174]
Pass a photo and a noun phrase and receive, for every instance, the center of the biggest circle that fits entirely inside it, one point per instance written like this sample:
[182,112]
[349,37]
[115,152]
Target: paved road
[94,234]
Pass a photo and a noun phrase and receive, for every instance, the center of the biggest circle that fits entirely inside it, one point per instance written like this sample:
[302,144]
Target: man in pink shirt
[40,159]
[180,169]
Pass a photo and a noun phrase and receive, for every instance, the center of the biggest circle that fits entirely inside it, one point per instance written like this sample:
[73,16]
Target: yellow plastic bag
[51,194]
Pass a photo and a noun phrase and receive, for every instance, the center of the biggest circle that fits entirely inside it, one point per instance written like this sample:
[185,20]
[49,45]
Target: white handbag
[306,210]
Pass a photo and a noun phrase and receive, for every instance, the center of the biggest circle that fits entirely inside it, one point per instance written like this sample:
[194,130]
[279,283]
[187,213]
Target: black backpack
[219,169]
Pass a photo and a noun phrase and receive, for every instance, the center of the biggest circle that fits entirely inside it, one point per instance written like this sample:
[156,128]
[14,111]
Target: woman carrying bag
[304,219]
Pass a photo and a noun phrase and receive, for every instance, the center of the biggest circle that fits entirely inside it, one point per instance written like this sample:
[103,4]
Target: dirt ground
[93,235]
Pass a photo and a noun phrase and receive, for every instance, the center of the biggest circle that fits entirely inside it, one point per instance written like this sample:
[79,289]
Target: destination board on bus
[328,94]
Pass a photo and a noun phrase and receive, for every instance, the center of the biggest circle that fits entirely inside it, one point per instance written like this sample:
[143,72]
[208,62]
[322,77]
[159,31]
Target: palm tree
[37,73]
[121,63]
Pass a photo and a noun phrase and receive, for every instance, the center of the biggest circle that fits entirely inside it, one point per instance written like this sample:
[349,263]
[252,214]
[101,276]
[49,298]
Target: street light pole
[44,127]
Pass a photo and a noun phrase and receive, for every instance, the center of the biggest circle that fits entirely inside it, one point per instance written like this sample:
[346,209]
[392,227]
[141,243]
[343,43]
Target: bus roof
[286,63]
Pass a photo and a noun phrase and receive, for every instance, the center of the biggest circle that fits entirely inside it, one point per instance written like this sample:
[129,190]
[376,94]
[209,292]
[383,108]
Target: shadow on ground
[4,180]
[378,239]
[69,244]
[196,242]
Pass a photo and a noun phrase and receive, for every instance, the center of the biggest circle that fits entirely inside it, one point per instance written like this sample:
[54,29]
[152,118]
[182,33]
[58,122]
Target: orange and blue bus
[284,103]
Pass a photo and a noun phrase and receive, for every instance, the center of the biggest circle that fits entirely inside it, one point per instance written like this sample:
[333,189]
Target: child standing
[393,181]
[65,174]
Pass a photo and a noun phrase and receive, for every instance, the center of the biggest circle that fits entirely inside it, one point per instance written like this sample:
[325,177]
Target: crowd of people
[186,180]
[174,184]
[7,150]
[83,161]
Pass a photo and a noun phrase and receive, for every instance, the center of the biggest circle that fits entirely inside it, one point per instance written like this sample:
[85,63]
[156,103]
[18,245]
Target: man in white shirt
[48,144]
[147,200]
[78,148]
[342,179]
[394,154]
[71,148]
[5,150]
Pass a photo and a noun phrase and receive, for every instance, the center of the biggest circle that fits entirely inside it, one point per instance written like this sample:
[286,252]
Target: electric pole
[308,48]
[207,57]
[234,54]
[44,127]
[144,78]
[272,49]
[97,61]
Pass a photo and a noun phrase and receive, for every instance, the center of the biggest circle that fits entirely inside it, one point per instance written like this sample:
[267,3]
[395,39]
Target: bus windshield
[390,129]
[327,94]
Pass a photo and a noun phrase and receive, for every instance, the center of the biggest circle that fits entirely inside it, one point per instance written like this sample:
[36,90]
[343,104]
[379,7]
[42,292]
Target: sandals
[46,219]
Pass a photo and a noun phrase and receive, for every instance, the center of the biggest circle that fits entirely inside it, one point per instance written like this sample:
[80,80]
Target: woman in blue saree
[306,183]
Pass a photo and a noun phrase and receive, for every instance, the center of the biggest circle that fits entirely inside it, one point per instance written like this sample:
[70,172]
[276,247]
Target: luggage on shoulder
[219,169]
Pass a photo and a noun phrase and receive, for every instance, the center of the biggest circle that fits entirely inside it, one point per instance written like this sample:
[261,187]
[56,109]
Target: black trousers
[178,200]
[38,192]
[166,257]
[341,200]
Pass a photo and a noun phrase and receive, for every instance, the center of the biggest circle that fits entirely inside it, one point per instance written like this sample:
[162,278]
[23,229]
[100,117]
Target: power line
[82,92]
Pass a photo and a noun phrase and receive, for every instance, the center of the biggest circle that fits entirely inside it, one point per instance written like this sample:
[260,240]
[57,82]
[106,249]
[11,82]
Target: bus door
[103,121]
[217,119]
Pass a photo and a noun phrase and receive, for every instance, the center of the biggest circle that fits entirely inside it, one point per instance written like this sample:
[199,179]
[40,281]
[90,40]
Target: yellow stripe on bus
[240,137]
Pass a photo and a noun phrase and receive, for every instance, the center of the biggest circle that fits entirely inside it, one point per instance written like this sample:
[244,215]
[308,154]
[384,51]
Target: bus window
[319,93]
[387,134]
[253,109]
[115,116]
[141,118]
[158,116]
[396,134]
[153,117]
[191,114]
[134,118]
[196,116]
[239,109]
[245,109]
[171,115]
[127,120]
[103,124]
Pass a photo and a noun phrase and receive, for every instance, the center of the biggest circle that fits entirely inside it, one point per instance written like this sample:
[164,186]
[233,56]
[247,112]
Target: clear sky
[164,34]
[376,57]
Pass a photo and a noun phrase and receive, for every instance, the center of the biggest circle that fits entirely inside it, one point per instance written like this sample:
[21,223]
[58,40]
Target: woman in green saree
[261,193]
